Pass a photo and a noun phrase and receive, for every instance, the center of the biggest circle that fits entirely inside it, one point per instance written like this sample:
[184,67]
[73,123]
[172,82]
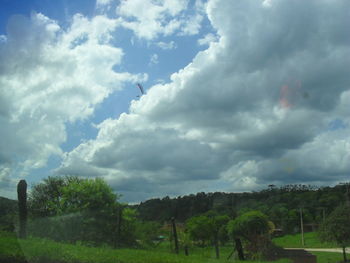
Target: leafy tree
[199,228]
[207,228]
[94,201]
[71,209]
[87,195]
[253,227]
[128,228]
[337,227]
[218,224]
[45,198]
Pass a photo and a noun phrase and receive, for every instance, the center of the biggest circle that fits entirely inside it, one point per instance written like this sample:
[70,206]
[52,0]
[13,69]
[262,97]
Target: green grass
[294,241]
[45,251]
[329,257]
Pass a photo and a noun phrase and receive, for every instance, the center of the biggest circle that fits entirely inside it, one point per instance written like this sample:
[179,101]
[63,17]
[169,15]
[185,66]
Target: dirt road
[337,250]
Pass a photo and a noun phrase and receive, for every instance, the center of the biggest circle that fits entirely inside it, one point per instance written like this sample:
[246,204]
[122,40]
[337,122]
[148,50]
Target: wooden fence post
[175,236]
[22,207]
[239,248]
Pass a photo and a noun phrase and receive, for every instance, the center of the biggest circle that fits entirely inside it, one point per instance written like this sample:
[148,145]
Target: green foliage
[147,233]
[45,198]
[8,212]
[249,225]
[129,224]
[87,195]
[337,226]
[279,204]
[209,227]
[253,227]
[72,209]
[200,228]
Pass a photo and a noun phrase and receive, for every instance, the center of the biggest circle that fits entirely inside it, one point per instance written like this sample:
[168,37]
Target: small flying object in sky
[141,89]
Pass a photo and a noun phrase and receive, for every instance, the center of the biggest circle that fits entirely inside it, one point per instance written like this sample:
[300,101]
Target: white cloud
[103,2]
[192,25]
[167,45]
[207,39]
[221,120]
[150,19]
[50,76]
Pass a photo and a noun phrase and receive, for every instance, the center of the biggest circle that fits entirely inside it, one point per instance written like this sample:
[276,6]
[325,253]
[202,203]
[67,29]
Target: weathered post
[175,236]
[239,248]
[302,227]
[344,255]
[186,250]
[117,239]
[216,245]
[22,207]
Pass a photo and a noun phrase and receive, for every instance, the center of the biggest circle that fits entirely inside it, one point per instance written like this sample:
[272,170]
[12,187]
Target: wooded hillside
[282,205]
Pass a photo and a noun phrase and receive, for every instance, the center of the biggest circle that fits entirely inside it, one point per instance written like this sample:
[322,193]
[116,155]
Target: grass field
[46,251]
[294,241]
[328,257]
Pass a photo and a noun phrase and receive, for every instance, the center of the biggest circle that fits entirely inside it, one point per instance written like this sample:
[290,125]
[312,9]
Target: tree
[128,227]
[71,209]
[45,197]
[199,228]
[95,203]
[89,195]
[337,227]
[253,227]
[208,227]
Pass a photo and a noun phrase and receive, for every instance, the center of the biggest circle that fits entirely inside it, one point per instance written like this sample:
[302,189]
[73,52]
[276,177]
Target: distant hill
[8,211]
[282,205]
[7,206]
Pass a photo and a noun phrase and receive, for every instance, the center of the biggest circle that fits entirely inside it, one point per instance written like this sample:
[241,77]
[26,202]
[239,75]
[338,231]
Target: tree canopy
[208,227]
[253,227]
[71,209]
[249,225]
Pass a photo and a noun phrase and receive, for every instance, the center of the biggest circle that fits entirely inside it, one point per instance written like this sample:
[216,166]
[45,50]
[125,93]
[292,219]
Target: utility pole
[302,227]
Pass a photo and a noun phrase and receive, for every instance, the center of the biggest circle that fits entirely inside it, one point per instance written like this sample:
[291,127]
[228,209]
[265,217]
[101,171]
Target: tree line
[281,205]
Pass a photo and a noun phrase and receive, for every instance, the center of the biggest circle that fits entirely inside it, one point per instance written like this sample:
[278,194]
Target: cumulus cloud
[50,76]
[252,109]
[207,39]
[150,19]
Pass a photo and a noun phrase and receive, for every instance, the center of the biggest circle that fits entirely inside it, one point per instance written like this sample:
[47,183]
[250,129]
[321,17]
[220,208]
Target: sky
[239,94]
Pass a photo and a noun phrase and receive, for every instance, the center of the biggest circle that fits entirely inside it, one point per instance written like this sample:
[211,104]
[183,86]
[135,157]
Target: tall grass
[37,250]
